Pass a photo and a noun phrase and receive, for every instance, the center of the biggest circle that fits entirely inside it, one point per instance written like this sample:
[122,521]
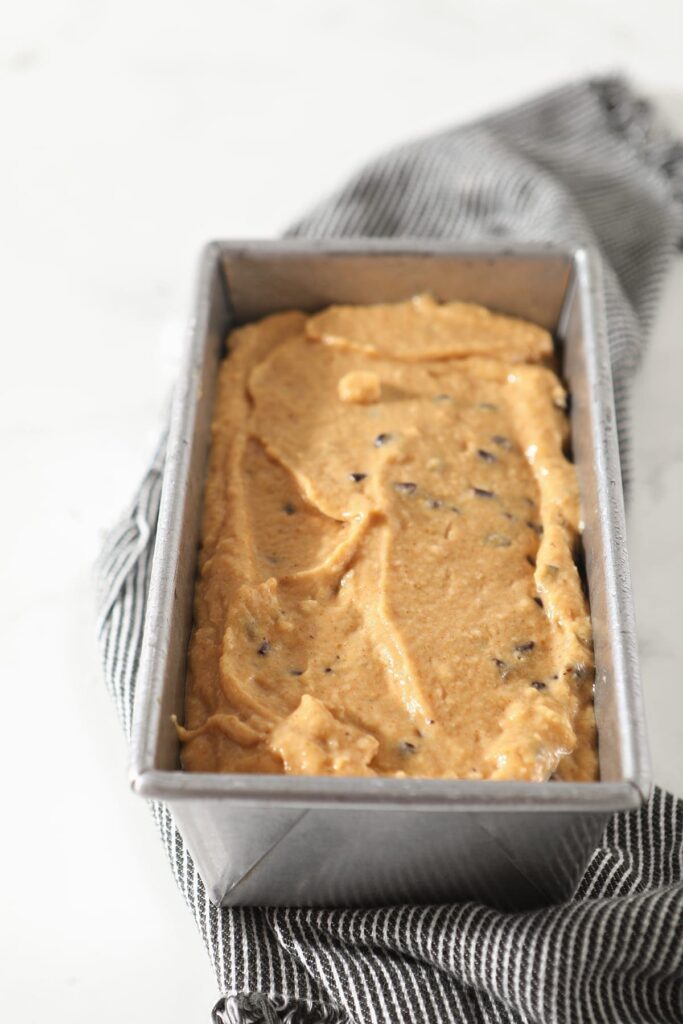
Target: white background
[132,131]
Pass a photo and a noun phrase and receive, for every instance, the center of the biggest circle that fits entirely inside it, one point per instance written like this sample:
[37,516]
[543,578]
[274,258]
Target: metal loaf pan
[293,840]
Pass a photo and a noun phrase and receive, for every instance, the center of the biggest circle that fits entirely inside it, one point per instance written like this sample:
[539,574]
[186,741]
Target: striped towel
[586,163]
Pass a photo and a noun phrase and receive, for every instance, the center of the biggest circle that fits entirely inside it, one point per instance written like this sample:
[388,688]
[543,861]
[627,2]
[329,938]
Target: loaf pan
[319,841]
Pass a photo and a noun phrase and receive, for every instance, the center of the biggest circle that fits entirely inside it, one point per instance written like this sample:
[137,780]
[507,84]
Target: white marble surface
[132,132]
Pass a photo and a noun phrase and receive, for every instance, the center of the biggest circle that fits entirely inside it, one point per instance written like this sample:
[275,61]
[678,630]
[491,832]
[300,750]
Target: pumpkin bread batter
[387,583]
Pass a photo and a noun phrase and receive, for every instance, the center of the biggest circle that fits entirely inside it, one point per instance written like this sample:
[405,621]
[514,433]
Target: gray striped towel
[587,163]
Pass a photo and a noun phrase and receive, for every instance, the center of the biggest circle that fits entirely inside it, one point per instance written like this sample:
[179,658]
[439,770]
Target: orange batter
[386,580]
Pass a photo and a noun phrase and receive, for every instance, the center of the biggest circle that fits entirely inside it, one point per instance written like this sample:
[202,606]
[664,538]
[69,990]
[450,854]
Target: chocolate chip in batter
[538,602]
[405,487]
[522,649]
[288,508]
[264,649]
[486,456]
[327,670]
[433,503]
[503,667]
[357,477]
[382,439]
[296,671]
[479,492]
[538,685]
[531,561]
[536,527]
[406,747]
